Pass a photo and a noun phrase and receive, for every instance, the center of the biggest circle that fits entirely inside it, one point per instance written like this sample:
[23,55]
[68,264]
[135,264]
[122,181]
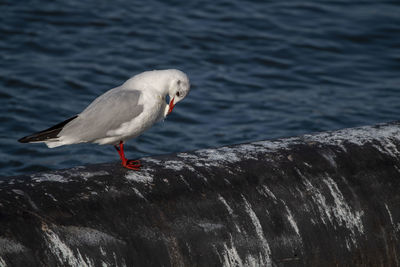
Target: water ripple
[259,70]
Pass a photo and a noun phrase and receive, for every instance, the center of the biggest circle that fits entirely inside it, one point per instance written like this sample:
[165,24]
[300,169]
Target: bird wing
[107,112]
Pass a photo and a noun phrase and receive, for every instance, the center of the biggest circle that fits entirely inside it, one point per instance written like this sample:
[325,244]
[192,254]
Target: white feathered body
[121,113]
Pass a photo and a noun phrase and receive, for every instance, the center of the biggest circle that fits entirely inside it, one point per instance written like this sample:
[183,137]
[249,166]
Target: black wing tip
[46,134]
[24,139]
[36,137]
[40,137]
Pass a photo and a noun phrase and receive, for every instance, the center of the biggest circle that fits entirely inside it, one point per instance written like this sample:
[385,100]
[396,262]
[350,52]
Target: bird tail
[47,135]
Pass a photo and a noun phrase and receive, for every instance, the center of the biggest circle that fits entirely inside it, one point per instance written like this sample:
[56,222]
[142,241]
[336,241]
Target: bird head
[179,88]
[171,82]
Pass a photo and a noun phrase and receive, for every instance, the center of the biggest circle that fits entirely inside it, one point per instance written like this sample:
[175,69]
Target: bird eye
[177,94]
[179,82]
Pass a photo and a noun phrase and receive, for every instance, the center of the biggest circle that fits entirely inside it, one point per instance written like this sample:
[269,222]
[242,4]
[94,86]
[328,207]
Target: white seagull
[120,114]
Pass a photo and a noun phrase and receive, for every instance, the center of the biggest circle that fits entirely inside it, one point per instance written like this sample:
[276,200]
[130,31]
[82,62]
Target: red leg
[130,164]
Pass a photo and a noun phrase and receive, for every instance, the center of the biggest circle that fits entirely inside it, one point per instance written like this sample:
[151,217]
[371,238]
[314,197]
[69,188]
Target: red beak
[171,105]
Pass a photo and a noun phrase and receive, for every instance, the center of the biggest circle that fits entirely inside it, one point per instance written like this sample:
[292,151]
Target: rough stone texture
[316,200]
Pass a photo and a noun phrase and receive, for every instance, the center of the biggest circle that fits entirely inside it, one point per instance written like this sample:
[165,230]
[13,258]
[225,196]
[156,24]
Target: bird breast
[153,110]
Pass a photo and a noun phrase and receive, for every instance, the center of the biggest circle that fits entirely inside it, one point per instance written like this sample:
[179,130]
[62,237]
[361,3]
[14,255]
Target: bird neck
[156,81]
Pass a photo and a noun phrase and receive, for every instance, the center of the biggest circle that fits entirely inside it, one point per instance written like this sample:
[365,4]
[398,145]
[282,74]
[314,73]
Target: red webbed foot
[132,164]
[129,164]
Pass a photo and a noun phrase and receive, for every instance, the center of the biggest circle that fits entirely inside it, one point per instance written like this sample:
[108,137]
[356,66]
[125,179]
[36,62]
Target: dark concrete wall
[316,200]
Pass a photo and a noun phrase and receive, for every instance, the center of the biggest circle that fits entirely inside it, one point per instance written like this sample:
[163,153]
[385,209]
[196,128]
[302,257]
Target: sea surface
[259,70]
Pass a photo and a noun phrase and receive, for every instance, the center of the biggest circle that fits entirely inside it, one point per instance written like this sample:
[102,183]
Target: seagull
[120,114]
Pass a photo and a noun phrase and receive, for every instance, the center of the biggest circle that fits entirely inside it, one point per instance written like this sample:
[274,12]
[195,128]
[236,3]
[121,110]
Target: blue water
[259,69]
